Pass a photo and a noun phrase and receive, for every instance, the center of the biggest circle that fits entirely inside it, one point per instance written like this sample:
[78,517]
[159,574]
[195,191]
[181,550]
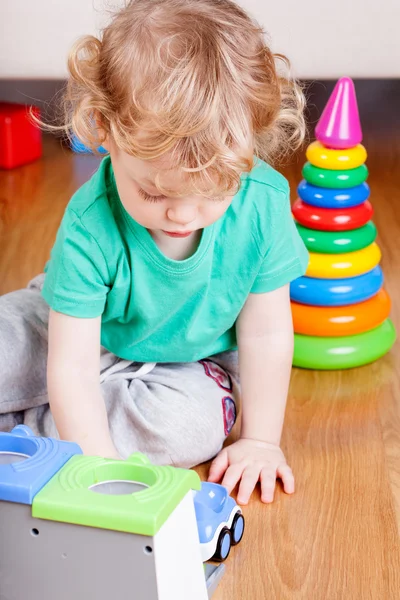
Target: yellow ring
[351,158]
[349,264]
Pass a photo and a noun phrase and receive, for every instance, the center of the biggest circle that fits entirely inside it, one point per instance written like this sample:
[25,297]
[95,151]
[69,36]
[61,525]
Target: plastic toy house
[20,137]
[98,528]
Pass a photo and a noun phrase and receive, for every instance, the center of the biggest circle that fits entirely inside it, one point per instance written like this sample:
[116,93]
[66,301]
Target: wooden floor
[337,537]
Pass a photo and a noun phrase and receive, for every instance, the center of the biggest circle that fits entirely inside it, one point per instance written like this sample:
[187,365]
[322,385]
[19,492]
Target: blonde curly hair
[192,78]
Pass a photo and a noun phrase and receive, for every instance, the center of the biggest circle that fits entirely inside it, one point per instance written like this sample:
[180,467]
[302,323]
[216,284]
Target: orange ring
[335,321]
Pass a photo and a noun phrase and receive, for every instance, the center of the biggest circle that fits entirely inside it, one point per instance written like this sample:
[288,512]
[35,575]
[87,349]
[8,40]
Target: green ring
[329,178]
[337,242]
[331,353]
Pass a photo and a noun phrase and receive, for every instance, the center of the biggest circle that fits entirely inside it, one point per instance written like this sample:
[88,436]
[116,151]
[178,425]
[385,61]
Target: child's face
[169,216]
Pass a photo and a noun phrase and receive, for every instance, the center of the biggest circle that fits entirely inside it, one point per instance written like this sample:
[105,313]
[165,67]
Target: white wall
[323,38]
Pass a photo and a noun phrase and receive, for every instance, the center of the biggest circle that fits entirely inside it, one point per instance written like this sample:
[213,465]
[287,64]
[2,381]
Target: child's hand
[251,461]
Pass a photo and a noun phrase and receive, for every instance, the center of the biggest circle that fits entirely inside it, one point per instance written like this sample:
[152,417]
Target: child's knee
[206,422]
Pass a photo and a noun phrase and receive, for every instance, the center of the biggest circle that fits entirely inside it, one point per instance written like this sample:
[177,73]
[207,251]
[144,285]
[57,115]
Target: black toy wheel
[237,528]
[223,546]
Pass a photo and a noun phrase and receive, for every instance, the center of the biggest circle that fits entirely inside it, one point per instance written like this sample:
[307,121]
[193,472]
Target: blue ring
[336,292]
[333,198]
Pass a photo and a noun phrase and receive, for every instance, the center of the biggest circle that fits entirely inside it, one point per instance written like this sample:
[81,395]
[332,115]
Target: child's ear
[105,143]
[101,132]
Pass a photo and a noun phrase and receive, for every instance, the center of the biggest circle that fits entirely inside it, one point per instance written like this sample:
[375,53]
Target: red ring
[332,219]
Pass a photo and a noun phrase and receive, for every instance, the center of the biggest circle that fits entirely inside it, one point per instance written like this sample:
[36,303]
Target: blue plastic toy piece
[27,463]
[336,292]
[331,197]
[80,148]
[219,521]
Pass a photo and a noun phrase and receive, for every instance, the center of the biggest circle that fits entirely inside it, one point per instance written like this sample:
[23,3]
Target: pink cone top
[339,126]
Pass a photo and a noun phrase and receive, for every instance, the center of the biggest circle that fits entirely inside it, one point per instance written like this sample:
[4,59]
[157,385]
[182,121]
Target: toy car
[219,520]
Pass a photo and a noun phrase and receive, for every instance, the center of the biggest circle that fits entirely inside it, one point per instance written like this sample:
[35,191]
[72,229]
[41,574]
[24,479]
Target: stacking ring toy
[331,353]
[327,158]
[348,264]
[331,198]
[336,292]
[332,219]
[334,321]
[336,242]
[329,178]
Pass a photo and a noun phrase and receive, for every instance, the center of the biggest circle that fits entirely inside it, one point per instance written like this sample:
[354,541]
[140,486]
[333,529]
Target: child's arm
[265,342]
[73,379]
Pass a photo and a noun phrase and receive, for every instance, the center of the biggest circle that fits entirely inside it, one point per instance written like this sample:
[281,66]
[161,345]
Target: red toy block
[20,137]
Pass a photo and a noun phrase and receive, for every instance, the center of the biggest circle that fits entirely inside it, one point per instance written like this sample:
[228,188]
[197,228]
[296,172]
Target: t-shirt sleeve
[76,274]
[286,257]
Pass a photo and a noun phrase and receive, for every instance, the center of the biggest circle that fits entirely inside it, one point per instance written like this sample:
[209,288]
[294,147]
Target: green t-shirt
[157,309]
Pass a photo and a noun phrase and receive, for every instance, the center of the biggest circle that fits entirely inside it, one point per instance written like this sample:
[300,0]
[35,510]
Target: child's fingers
[232,475]
[218,466]
[249,481]
[268,482]
[286,474]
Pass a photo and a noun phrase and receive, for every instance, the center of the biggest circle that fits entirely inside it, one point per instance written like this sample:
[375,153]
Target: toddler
[171,268]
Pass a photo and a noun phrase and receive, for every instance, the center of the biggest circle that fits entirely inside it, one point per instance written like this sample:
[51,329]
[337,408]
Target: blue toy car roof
[213,506]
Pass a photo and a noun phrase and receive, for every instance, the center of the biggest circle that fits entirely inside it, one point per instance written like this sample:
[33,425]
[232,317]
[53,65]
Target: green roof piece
[68,497]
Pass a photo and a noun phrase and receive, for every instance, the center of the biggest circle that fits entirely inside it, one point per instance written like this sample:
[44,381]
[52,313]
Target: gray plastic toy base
[118,488]
[8,458]
[45,560]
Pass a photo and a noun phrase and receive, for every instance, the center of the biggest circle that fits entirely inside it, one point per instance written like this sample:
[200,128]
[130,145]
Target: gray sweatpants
[175,413]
